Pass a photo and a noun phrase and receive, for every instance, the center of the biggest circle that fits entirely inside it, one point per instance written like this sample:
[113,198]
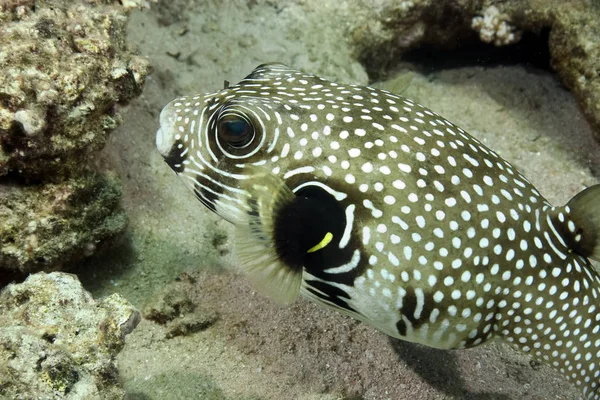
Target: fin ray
[585,214]
[398,84]
[255,245]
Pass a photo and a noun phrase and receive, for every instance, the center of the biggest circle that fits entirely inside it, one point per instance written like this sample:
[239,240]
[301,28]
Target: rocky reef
[51,226]
[65,70]
[56,341]
[380,34]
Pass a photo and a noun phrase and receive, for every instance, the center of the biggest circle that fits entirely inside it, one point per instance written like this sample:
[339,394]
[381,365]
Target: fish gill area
[117,283]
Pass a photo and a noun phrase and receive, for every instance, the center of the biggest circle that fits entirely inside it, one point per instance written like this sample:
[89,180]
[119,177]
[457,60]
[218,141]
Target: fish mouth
[162,144]
[166,133]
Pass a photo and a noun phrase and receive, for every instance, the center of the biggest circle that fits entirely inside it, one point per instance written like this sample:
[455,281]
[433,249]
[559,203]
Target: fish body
[367,202]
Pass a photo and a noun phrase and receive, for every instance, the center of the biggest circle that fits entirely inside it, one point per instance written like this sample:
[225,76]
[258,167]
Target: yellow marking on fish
[326,240]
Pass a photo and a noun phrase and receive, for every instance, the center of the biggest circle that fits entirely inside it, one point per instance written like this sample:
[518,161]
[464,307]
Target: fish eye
[235,130]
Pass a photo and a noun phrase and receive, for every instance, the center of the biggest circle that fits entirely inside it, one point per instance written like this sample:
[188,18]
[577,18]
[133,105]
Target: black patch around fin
[303,223]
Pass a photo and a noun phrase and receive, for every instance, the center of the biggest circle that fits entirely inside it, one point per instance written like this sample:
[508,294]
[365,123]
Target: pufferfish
[367,202]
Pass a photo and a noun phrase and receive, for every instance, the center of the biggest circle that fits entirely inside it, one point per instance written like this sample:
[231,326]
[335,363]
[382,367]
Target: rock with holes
[57,342]
[65,66]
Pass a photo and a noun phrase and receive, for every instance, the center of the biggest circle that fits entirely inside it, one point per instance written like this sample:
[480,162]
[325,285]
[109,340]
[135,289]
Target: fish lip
[160,142]
[165,135]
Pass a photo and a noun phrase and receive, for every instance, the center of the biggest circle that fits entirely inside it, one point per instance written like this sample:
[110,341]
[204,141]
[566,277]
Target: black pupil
[236,132]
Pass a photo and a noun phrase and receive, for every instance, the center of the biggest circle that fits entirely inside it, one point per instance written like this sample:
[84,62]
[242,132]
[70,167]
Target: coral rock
[494,27]
[64,67]
[50,226]
[56,341]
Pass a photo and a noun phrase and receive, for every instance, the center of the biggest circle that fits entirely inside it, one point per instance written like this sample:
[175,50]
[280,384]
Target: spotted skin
[442,241]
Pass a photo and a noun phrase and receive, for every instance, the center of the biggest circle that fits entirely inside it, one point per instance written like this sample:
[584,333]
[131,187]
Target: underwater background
[83,189]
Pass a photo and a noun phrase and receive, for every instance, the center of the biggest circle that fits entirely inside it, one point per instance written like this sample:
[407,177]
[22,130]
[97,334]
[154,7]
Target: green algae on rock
[64,68]
[51,226]
[56,341]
